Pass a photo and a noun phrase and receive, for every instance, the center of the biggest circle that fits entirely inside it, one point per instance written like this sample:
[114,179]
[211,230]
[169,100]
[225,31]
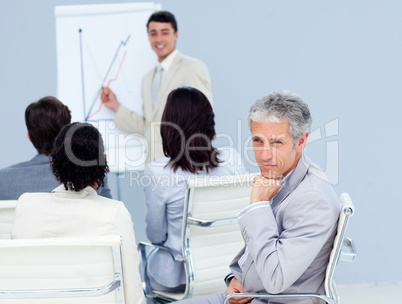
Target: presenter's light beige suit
[184,71]
[68,213]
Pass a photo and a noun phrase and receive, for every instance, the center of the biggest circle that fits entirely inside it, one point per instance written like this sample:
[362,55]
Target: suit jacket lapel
[235,268]
[234,265]
[247,264]
[294,180]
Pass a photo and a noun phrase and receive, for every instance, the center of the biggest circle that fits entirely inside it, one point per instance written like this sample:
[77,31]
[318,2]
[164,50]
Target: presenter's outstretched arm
[109,99]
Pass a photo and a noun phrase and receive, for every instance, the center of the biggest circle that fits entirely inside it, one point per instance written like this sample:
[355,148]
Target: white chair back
[344,216]
[61,270]
[211,235]
[7,214]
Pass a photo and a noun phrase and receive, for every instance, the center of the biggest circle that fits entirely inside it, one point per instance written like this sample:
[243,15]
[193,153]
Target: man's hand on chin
[264,188]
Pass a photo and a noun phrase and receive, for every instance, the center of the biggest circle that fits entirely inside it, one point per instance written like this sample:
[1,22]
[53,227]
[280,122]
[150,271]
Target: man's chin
[271,174]
[268,173]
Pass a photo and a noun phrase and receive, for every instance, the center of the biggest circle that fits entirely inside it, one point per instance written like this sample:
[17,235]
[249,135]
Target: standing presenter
[172,70]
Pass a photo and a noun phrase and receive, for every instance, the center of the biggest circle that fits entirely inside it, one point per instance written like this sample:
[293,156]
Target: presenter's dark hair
[44,120]
[78,158]
[187,129]
[164,17]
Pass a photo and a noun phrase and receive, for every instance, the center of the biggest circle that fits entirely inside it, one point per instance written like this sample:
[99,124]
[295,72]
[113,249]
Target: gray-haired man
[291,222]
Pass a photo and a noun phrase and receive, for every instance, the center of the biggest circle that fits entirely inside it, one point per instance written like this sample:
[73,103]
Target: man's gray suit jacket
[184,71]
[288,240]
[34,175]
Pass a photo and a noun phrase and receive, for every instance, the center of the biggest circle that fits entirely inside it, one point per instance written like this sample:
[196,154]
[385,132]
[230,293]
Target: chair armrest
[348,253]
[61,293]
[278,296]
[211,223]
[176,256]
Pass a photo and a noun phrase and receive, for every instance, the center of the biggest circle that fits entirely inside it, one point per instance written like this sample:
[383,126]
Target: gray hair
[281,106]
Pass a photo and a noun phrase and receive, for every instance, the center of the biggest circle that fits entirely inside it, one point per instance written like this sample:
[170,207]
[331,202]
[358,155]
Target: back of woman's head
[187,129]
[78,158]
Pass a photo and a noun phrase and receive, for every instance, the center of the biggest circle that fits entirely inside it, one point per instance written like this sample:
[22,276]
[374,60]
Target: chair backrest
[345,214]
[211,235]
[7,214]
[59,269]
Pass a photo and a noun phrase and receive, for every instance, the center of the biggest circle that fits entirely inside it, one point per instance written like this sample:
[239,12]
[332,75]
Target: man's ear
[302,142]
[29,136]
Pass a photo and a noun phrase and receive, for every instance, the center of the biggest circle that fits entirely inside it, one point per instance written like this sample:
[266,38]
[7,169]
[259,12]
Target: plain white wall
[342,57]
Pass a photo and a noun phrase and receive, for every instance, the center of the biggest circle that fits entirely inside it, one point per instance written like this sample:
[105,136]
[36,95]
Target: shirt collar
[286,177]
[167,62]
[41,158]
[60,190]
[283,182]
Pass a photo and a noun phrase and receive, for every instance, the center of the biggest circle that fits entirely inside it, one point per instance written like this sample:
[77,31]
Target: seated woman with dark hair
[187,130]
[74,208]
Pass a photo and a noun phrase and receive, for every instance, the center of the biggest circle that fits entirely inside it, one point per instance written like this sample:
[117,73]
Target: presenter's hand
[236,286]
[264,188]
[109,99]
